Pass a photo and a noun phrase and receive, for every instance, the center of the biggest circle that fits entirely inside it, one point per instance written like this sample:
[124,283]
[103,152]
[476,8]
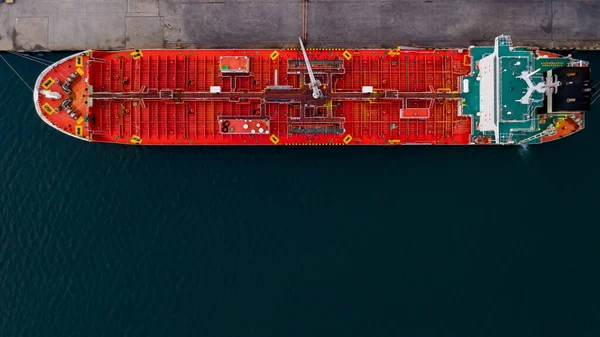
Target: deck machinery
[482,95]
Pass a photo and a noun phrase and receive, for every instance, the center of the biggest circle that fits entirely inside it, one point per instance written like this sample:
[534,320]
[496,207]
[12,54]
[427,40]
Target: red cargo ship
[481,95]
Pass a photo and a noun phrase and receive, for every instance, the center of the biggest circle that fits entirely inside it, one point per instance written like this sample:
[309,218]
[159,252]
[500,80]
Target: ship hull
[261,97]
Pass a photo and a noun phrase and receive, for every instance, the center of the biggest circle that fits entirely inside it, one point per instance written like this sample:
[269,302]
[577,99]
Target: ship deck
[164,97]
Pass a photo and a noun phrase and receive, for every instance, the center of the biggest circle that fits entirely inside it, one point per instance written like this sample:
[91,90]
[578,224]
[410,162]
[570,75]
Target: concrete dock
[29,25]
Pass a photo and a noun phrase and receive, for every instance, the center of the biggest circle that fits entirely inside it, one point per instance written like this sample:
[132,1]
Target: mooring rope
[31,58]
[13,69]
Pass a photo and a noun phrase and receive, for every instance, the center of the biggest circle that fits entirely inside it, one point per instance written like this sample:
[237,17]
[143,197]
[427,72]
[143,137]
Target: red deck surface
[162,97]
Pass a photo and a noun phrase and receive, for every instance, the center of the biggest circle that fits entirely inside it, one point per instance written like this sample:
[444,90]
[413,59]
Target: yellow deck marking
[274,139]
[80,120]
[79,61]
[135,139]
[393,52]
[274,55]
[80,71]
[48,108]
[48,83]
[137,54]
[347,139]
[465,63]
[78,130]
[347,55]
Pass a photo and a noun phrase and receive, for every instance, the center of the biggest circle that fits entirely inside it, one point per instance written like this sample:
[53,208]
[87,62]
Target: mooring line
[13,69]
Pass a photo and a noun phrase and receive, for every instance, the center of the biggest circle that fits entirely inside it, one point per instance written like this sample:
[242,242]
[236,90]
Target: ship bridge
[509,93]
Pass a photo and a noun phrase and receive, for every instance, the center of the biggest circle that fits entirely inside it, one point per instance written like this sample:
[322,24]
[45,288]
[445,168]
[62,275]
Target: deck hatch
[234,64]
[48,83]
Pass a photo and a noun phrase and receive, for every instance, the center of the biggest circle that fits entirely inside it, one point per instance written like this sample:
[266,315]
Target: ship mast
[314,83]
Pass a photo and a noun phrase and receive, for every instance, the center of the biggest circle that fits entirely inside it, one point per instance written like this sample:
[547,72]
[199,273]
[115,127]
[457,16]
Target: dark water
[106,240]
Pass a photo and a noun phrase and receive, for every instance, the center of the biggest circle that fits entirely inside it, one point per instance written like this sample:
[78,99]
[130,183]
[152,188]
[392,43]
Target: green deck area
[514,116]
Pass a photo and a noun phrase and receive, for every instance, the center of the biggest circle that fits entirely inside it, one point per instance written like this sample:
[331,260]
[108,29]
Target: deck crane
[314,83]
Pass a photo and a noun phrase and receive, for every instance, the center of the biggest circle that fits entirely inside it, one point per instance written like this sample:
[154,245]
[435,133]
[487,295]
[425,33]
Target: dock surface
[35,25]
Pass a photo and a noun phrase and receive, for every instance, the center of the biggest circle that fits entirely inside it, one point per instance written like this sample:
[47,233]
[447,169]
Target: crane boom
[314,83]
